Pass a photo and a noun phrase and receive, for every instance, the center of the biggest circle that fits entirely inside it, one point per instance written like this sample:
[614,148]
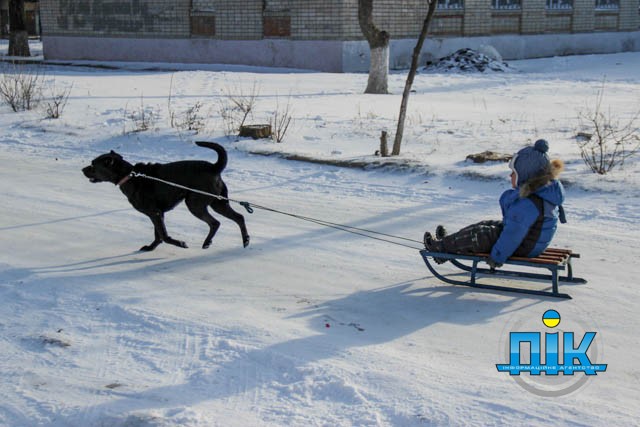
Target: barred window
[559,4]
[506,4]
[450,4]
[607,4]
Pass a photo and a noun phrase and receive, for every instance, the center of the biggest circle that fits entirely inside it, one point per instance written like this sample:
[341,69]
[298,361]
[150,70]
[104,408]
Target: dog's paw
[174,242]
[147,248]
[245,241]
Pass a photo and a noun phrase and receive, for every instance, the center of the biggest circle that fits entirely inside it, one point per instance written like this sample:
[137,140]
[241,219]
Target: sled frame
[554,260]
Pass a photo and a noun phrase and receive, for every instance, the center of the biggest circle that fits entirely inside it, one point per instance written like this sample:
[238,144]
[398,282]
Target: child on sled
[530,213]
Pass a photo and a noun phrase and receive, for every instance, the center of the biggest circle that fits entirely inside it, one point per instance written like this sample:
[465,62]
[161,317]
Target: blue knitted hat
[530,162]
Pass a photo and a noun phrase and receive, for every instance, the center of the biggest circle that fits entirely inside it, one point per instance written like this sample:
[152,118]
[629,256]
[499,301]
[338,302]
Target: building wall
[323,19]
[99,18]
[286,32]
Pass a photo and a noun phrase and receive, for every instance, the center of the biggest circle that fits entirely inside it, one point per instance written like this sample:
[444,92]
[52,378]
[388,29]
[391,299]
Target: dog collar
[123,181]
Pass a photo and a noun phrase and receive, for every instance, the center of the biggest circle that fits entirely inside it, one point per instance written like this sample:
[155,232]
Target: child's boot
[434,245]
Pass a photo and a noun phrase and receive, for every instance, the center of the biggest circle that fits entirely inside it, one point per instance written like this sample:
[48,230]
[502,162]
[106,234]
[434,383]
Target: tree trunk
[378,70]
[397,142]
[379,46]
[18,36]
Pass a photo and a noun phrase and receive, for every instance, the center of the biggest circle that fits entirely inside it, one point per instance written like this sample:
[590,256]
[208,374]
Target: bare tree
[379,46]
[18,36]
[397,142]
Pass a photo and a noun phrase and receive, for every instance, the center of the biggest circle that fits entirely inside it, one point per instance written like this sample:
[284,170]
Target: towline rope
[249,207]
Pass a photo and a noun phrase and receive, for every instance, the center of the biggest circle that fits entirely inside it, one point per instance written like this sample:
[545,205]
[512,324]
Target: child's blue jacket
[520,213]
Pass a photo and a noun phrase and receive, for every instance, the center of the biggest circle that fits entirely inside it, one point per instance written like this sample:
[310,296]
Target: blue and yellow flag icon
[551,318]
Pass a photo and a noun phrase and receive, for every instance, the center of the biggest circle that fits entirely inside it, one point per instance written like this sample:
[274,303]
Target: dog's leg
[154,244]
[197,205]
[224,209]
[157,218]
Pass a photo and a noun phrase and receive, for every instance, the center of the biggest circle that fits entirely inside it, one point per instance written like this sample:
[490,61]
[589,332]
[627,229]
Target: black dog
[154,198]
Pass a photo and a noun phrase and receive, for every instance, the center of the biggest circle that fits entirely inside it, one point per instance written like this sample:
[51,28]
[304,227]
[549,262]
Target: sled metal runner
[552,259]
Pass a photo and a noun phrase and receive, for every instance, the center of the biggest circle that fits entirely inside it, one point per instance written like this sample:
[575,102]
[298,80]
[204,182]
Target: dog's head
[109,167]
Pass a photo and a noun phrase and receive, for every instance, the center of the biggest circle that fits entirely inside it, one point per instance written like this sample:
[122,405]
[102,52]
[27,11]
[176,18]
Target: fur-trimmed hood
[537,183]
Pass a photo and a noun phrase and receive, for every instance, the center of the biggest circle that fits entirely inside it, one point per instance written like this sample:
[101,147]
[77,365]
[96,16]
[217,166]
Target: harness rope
[249,207]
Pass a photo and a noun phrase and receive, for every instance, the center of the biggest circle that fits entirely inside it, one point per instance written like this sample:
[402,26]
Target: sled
[554,260]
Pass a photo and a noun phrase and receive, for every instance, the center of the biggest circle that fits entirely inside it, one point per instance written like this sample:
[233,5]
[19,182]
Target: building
[324,34]
[31,16]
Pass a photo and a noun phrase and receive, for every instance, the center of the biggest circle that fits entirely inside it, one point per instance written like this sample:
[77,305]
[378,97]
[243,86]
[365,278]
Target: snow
[308,325]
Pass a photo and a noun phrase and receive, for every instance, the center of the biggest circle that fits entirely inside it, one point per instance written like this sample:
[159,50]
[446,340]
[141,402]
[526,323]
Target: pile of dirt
[489,156]
[467,60]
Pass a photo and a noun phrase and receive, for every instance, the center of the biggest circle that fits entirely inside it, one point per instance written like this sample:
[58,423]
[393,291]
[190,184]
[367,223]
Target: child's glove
[493,264]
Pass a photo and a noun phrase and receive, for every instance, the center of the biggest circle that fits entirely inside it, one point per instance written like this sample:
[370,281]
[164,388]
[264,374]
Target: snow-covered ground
[308,325]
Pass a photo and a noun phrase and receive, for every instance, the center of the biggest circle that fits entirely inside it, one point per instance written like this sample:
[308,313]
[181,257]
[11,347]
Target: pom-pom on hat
[530,162]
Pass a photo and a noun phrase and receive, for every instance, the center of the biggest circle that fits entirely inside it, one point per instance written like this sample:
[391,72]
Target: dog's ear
[113,153]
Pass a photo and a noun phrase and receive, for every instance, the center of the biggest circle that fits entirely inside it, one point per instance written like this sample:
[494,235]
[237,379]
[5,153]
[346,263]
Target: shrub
[20,88]
[606,141]
[143,118]
[280,120]
[56,102]
[236,107]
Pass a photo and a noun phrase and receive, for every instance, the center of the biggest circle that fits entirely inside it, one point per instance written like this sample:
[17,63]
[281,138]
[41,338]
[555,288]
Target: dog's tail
[222,154]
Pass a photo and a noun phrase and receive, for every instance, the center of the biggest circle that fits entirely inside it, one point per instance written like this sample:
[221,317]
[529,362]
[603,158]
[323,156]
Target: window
[203,25]
[559,4]
[607,4]
[506,4]
[277,26]
[450,4]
